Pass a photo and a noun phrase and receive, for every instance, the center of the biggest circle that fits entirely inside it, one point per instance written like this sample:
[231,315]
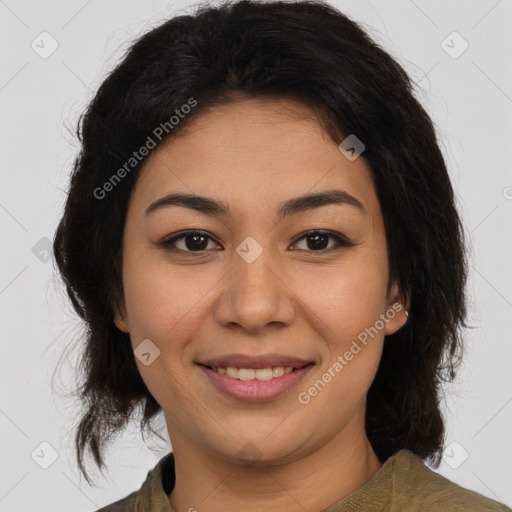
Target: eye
[190,241]
[317,240]
[197,241]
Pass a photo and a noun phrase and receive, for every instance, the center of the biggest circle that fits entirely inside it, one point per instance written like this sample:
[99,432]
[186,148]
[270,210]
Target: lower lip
[255,390]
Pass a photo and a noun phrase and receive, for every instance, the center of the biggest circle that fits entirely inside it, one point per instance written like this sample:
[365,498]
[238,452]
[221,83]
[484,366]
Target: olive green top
[402,484]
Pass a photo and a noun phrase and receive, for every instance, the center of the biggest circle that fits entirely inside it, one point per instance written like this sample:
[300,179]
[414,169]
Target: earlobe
[397,313]
[120,317]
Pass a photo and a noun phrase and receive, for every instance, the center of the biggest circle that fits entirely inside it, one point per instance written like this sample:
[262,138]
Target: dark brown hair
[303,51]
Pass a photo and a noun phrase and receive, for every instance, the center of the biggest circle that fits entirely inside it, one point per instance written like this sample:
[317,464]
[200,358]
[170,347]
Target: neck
[209,483]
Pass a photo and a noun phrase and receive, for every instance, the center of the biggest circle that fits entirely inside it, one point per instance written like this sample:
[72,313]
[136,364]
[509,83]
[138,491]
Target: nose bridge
[255,294]
[255,268]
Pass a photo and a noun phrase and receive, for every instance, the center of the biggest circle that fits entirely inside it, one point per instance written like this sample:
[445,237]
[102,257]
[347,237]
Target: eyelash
[341,241]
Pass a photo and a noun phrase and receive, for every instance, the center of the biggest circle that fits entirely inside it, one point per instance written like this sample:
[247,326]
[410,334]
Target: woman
[261,237]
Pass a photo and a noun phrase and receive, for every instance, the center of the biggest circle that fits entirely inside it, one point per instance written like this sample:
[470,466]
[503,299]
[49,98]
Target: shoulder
[125,504]
[152,494]
[420,488]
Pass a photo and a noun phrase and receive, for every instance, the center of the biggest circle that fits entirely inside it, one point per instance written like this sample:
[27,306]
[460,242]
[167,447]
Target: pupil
[318,242]
[195,245]
[316,238]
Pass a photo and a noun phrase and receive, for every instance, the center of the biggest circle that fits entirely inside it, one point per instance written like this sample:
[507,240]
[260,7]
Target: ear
[397,310]
[120,316]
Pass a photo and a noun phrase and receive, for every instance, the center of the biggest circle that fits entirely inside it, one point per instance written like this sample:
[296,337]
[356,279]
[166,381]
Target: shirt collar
[385,487]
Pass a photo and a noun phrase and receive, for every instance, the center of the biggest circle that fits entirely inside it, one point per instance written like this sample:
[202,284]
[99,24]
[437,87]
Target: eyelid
[167,243]
[341,241]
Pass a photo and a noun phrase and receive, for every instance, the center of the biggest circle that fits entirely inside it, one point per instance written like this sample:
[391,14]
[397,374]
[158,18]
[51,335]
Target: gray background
[469,96]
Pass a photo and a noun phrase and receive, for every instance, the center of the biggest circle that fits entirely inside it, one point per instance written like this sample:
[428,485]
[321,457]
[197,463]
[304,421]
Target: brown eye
[191,241]
[197,241]
[318,241]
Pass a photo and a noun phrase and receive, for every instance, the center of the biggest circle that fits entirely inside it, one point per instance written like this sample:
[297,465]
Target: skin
[293,299]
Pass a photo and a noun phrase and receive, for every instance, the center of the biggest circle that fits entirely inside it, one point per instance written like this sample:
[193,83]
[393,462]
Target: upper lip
[255,361]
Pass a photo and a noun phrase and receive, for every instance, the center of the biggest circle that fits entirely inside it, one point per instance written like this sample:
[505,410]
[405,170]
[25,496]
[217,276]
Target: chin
[261,450]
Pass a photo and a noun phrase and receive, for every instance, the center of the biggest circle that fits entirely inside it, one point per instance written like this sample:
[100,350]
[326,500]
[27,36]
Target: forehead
[252,151]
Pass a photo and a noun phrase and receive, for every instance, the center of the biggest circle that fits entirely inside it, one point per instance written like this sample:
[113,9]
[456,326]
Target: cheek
[348,303]
[353,344]
[347,298]
[166,303]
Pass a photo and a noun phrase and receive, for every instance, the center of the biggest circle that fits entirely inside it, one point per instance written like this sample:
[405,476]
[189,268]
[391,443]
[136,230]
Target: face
[244,281]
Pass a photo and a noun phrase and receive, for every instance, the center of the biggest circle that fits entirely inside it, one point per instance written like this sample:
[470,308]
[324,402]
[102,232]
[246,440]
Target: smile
[253,373]
[254,384]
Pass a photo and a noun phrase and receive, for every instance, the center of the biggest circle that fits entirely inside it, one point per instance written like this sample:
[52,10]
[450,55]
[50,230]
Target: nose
[256,294]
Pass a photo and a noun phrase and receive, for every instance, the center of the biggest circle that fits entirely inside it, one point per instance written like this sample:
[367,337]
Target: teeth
[278,371]
[254,374]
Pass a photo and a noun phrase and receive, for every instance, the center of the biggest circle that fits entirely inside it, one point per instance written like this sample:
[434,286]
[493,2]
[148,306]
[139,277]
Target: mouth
[271,372]
[255,378]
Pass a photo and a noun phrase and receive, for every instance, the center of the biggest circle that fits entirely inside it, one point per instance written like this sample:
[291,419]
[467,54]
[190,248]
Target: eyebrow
[293,206]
